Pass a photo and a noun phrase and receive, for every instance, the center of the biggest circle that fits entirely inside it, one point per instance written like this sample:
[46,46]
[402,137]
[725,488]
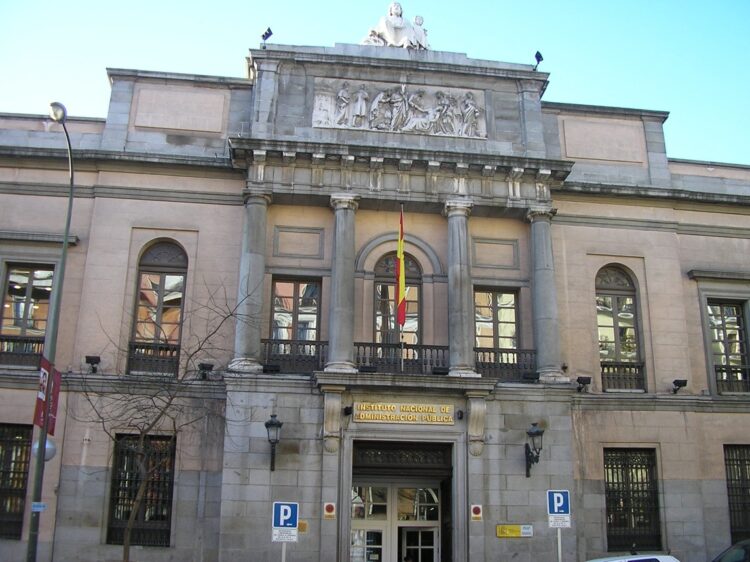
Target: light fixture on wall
[204,369]
[583,382]
[273,427]
[266,35]
[533,446]
[677,384]
[93,362]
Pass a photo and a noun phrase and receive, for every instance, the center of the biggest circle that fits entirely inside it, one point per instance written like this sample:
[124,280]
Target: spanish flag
[400,274]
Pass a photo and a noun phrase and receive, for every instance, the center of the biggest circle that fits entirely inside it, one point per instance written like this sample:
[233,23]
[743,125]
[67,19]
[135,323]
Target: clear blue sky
[687,57]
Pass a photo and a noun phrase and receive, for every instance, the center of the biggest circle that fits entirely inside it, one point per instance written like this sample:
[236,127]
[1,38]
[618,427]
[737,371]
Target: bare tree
[143,404]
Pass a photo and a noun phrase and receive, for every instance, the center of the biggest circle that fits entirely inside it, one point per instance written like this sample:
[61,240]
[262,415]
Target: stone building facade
[561,270]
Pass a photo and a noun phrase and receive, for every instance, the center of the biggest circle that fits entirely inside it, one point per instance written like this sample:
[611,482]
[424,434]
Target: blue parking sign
[285,515]
[558,502]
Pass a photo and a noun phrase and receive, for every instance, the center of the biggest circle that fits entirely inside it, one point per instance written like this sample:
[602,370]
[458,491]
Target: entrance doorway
[401,502]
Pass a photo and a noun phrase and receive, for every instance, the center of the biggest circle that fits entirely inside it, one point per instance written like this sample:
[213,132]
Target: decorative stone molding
[544,213]
[399,108]
[477,411]
[456,206]
[332,417]
[346,201]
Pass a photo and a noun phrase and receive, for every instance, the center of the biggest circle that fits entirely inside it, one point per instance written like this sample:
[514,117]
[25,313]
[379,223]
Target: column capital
[254,196]
[544,213]
[458,206]
[345,201]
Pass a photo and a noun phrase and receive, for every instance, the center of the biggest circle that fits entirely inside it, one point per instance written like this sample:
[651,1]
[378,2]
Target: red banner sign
[48,375]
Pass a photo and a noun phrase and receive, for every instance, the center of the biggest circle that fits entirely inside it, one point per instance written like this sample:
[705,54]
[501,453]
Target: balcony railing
[622,376]
[21,351]
[295,356]
[298,356]
[395,358]
[153,358]
[507,365]
[733,378]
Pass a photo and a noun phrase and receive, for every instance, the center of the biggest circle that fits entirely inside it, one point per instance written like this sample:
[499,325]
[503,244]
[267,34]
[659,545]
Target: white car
[637,558]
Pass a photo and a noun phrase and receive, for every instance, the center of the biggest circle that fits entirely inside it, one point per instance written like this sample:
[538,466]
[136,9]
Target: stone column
[460,290]
[544,296]
[341,311]
[247,348]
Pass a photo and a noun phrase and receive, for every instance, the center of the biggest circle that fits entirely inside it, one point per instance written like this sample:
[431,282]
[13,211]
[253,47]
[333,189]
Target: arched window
[617,328]
[155,343]
[386,326]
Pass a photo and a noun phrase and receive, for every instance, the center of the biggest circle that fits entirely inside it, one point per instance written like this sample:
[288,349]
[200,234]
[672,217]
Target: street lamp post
[58,114]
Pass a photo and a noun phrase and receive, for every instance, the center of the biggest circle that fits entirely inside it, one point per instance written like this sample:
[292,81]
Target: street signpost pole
[559,544]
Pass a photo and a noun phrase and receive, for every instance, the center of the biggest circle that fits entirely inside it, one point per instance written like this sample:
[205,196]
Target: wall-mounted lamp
[92,361]
[459,414]
[273,427]
[533,449]
[348,410]
[677,384]
[583,382]
[266,36]
[204,369]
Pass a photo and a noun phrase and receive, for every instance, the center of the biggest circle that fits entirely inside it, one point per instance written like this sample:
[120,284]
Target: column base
[553,376]
[463,372]
[340,367]
[245,365]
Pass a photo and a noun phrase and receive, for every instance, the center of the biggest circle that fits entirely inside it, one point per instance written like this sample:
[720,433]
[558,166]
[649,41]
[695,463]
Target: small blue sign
[558,502]
[285,515]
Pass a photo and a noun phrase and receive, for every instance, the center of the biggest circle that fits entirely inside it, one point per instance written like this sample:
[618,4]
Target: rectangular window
[15,454]
[737,463]
[729,346]
[495,319]
[27,291]
[152,465]
[632,499]
[296,310]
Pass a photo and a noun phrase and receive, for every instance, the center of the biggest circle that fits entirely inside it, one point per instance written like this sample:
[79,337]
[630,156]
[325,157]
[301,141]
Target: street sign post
[285,524]
[558,511]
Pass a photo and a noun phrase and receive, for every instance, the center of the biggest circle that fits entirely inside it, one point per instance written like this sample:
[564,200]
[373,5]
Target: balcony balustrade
[153,358]
[298,356]
[732,378]
[21,351]
[622,376]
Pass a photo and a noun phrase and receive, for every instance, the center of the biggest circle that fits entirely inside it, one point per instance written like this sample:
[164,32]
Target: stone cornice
[548,107]
[653,225]
[661,403]
[650,192]
[399,60]
[37,237]
[382,382]
[243,151]
[175,76]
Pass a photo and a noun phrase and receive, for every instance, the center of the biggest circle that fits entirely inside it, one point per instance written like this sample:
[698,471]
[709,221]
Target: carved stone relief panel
[399,108]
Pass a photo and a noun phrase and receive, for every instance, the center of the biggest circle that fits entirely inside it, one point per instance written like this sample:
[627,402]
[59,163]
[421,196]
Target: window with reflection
[27,297]
[616,316]
[386,325]
[495,319]
[296,310]
[159,309]
[370,502]
[617,330]
[418,504]
[729,345]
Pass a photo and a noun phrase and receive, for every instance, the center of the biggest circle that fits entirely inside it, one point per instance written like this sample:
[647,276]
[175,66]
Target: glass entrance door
[395,522]
[419,544]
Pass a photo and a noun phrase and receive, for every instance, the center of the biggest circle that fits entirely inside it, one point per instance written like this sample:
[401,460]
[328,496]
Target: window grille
[632,499]
[737,463]
[153,519]
[15,454]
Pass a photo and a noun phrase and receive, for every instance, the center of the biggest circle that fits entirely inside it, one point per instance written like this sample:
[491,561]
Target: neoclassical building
[231,257]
